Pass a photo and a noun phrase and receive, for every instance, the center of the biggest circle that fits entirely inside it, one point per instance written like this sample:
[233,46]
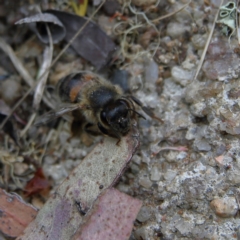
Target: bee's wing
[64,108]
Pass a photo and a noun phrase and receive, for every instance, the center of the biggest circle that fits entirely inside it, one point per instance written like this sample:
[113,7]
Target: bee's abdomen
[69,87]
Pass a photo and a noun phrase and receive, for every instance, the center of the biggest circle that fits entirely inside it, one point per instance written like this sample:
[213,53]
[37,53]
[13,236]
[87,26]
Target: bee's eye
[103,117]
[124,113]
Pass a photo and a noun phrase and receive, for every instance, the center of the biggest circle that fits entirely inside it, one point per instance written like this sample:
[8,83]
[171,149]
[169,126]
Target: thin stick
[54,61]
[29,124]
[170,14]
[238,23]
[78,32]
[179,148]
[207,44]
[42,79]
[16,62]
[148,22]
[47,58]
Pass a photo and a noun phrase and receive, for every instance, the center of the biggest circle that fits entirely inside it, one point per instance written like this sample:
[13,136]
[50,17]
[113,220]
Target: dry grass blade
[29,124]
[16,62]
[238,23]
[47,59]
[207,44]
[42,79]
[170,14]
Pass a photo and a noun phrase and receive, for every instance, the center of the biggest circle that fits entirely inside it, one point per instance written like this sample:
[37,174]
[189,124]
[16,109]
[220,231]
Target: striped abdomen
[69,88]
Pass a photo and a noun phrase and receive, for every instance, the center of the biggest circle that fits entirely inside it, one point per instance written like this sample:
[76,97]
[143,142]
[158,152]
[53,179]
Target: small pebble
[211,173]
[144,214]
[155,174]
[171,156]
[181,156]
[20,168]
[234,176]
[140,233]
[151,71]
[10,90]
[184,227]
[57,172]
[110,7]
[199,40]
[199,109]
[136,159]
[146,232]
[161,186]
[49,160]
[191,132]
[182,76]
[202,145]
[169,175]
[134,168]
[145,182]
[37,202]
[107,25]
[124,188]
[224,207]
[175,29]
[69,164]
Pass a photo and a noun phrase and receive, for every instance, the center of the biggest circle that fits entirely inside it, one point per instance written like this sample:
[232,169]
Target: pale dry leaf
[64,212]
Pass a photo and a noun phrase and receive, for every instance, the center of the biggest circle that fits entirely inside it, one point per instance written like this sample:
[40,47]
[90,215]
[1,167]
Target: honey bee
[101,103]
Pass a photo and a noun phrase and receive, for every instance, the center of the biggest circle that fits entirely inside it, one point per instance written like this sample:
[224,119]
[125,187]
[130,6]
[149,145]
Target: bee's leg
[102,129]
[148,111]
[78,130]
[91,129]
[77,123]
[110,134]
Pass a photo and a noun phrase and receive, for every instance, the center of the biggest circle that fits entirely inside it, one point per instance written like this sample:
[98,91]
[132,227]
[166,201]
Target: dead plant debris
[180,59]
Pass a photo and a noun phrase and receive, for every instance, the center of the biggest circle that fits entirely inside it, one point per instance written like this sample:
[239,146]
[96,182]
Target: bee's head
[117,116]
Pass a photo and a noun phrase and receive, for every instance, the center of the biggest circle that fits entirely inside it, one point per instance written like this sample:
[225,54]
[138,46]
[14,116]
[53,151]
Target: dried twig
[135,26]
[170,14]
[47,59]
[78,32]
[179,148]
[238,23]
[41,79]
[29,124]
[16,62]
[207,44]
[150,23]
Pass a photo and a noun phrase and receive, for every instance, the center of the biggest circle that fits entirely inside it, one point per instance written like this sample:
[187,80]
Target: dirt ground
[181,60]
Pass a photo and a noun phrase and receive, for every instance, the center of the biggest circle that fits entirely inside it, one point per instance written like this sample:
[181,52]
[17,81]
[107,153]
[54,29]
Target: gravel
[187,194]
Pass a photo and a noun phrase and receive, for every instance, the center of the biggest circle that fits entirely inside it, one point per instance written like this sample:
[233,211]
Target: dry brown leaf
[111,218]
[15,214]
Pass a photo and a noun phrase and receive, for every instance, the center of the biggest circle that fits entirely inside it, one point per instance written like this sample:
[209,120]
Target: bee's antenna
[139,114]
